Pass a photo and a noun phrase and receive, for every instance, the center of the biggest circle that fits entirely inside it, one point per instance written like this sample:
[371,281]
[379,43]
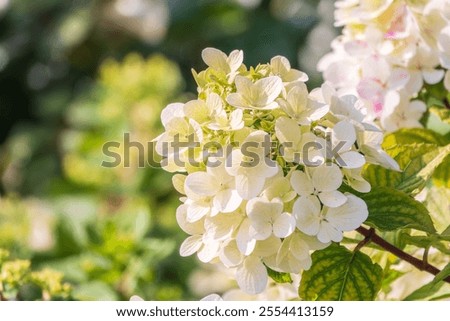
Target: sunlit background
[77,74]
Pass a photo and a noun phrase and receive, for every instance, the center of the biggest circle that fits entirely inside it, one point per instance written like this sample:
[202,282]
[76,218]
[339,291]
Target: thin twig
[419,264]
[365,241]
[425,256]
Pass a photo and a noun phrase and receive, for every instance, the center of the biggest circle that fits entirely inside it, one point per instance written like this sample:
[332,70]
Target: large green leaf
[441,176]
[431,288]
[338,274]
[390,210]
[407,136]
[418,163]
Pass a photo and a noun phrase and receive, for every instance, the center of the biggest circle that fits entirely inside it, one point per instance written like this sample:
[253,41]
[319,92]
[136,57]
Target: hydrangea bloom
[388,50]
[261,185]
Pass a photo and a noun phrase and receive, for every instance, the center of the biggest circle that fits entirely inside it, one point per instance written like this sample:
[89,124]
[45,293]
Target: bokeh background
[77,74]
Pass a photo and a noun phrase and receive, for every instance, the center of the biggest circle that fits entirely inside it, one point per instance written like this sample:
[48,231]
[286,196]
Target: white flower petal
[351,159]
[238,101]
[298,98]
[398,79]
[197,210]
[313,242]
[233,162]
[433,76]
[201,184]
[191,245]
[447,80]
[245,238]
[236,121]
[267,247]
[375,155]
[252,276]
[284,225]
[262,213]
[280,65]
[343,133]
[287,131]
[306,211]
[235,59]
[215,59]
[298,247]
[376,67]
[191,228]
[327,177]
[227,201]
[316,110]
[172,111]
[197,110]
[301,183]
[209,251]
[328,233]
[230,255]
[268,89]
[332,198]
[362,185]
[348,216]
[221,227]
[243,86]
[212,297]
[249,186]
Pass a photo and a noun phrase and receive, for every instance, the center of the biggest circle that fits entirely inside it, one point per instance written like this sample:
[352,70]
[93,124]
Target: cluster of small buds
[387,51]
[16,274]
[261,161]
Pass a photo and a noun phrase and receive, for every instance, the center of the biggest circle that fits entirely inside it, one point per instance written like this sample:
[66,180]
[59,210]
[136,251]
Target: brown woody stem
[371,236]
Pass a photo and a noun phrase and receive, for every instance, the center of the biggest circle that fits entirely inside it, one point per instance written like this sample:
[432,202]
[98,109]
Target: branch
[419,264]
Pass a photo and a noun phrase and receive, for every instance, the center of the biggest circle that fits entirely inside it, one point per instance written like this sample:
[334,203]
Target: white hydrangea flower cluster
[263,160]
[387,51]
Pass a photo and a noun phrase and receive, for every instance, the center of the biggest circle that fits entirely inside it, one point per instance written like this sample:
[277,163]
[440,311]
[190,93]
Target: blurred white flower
[387,50]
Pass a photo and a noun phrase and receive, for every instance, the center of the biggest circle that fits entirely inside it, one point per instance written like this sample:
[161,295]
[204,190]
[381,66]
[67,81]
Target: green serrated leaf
[390,210]
[279,277]
[441,176]
[407,136]
[417,161]
[338,274]
[418,240]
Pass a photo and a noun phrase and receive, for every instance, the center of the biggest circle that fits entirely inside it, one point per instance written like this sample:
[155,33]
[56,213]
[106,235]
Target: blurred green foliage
[19,282]
[76,75]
